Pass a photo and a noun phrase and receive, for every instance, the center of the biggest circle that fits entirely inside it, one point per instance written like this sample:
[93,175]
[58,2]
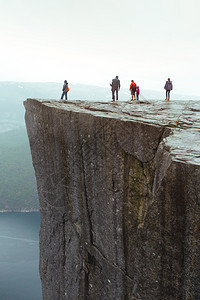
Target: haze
[91,41]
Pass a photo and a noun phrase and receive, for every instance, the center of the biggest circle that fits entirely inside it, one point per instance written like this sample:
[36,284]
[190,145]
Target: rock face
[119,191]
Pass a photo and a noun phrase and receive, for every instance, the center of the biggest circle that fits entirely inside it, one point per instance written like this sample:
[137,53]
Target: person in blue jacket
[168,87]
[65,90]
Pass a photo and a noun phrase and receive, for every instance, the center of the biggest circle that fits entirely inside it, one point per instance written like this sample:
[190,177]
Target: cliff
[119,192]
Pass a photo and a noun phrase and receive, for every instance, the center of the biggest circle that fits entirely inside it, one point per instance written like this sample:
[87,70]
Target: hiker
[133,89]
[115,87]
[65,90]
[137,92]
[168,87]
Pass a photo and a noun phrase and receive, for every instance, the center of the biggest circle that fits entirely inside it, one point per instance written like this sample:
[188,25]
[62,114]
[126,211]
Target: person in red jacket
[133,89]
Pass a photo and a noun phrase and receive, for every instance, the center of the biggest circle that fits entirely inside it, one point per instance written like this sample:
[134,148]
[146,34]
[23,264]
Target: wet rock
[119,195]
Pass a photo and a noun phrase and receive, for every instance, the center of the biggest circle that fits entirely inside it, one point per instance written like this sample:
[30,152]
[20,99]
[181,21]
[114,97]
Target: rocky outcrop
[119,191]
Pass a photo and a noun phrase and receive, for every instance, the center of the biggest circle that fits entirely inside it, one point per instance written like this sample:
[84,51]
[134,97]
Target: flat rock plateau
[119,192]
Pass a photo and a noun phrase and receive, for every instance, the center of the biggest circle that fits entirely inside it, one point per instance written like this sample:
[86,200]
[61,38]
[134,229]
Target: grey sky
[92,41]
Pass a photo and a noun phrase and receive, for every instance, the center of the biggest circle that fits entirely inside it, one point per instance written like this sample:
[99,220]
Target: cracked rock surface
[119,192]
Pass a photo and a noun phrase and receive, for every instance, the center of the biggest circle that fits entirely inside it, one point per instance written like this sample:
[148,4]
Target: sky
[90,42]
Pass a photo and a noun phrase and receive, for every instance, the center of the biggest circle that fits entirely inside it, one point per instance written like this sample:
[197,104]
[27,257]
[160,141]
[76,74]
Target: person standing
[137,92]
[115,87]
[65,90]
[168,87]
[133,89]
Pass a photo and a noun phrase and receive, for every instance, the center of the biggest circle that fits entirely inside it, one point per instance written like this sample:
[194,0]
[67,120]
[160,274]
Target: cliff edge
[119,192]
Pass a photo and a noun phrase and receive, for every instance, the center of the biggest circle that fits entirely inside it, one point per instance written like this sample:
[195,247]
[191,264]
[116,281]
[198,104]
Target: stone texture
[119,191]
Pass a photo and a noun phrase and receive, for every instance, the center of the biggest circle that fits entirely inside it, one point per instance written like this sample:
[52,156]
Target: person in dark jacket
[115,87]
[168,87]
[65,90]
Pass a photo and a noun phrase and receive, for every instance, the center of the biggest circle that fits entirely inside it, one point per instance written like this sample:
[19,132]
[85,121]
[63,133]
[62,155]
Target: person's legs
[62,95]
[116,94]
[167,95]
[134,92]
[113,95]
[66,95]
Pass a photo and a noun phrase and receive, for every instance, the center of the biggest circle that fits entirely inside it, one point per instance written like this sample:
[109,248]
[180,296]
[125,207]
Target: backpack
[67,89]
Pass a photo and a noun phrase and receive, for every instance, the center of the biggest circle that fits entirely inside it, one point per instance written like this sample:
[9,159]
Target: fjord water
[19,256]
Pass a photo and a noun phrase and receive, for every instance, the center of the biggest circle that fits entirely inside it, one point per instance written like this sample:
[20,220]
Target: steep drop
[119,201]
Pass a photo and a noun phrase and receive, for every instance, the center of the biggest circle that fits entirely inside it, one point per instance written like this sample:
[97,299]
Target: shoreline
[20,211]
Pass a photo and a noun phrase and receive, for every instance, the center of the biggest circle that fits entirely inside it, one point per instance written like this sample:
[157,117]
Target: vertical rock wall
[120,217]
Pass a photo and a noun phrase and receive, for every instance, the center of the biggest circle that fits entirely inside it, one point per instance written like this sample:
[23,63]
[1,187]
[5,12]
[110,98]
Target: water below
[19,256]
